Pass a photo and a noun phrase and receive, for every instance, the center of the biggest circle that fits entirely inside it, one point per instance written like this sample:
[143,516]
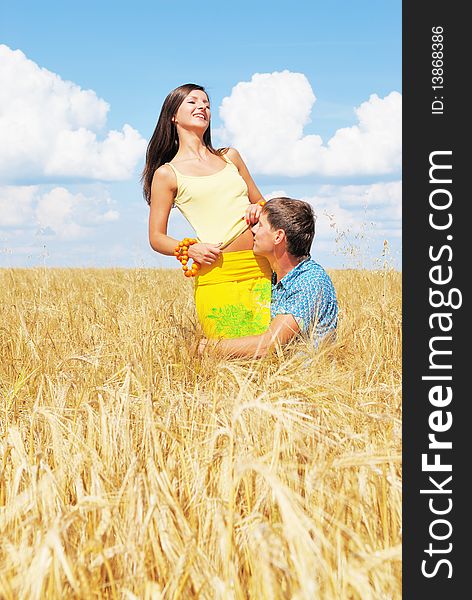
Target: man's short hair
[297,219]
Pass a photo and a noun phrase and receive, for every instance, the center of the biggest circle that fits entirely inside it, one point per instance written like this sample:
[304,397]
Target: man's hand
[206,344]
[202,346]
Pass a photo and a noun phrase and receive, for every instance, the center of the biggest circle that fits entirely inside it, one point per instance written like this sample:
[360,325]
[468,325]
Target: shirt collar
[292,274]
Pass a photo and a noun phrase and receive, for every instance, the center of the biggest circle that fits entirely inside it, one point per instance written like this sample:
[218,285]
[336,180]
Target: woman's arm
[163,192]
[252,190]
[253,211]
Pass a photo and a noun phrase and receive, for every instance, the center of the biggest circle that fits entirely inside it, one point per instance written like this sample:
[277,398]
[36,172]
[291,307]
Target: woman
[215,192]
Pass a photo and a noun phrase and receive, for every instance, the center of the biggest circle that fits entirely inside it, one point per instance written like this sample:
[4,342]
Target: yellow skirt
[232,295]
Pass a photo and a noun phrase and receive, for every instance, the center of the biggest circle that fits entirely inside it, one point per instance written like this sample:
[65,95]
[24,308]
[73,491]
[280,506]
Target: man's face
[263,237]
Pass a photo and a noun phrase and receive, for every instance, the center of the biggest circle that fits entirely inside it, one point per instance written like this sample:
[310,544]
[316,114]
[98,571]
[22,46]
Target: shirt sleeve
[295,304]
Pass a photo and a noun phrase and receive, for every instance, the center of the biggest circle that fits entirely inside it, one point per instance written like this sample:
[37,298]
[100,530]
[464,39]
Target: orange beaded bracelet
[181,254]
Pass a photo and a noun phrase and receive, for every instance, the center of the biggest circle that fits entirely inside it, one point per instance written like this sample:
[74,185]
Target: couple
[255,284]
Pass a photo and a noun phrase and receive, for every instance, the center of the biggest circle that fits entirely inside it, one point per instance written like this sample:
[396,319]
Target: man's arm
[281,330]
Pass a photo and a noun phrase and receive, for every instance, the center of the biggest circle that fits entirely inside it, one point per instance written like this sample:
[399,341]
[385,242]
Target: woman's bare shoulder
[234,156]
[231,152]
[164,176]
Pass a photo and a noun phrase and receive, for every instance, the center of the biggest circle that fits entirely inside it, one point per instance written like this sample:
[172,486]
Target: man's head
[285,224]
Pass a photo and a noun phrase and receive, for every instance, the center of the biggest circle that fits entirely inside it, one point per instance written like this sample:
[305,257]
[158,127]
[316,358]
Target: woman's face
[194,112]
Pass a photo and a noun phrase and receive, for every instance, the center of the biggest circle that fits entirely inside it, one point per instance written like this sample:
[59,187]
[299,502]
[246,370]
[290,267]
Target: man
[303,297]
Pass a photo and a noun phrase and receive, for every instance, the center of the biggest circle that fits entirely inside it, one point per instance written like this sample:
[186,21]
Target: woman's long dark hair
[164,142]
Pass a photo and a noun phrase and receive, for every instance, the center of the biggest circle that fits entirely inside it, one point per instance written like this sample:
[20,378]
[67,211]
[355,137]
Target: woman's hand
[205,254]
[253,212]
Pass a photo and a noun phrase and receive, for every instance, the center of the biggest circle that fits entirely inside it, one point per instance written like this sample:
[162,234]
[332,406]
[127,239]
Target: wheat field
[130,467]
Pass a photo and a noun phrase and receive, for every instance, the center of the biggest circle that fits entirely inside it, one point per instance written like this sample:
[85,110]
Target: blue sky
[132,54]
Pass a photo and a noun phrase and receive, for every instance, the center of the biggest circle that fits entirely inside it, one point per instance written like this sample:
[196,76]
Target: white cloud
[16,205]
[383,198]
[56,212]
[355,209]
[354,220]
[265,117]
[49,127]
[375,208]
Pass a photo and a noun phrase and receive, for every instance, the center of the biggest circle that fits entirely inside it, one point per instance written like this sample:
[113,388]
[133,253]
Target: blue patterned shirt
[307,293]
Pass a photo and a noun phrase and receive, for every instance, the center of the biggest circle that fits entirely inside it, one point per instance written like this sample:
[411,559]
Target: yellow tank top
[214,205]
